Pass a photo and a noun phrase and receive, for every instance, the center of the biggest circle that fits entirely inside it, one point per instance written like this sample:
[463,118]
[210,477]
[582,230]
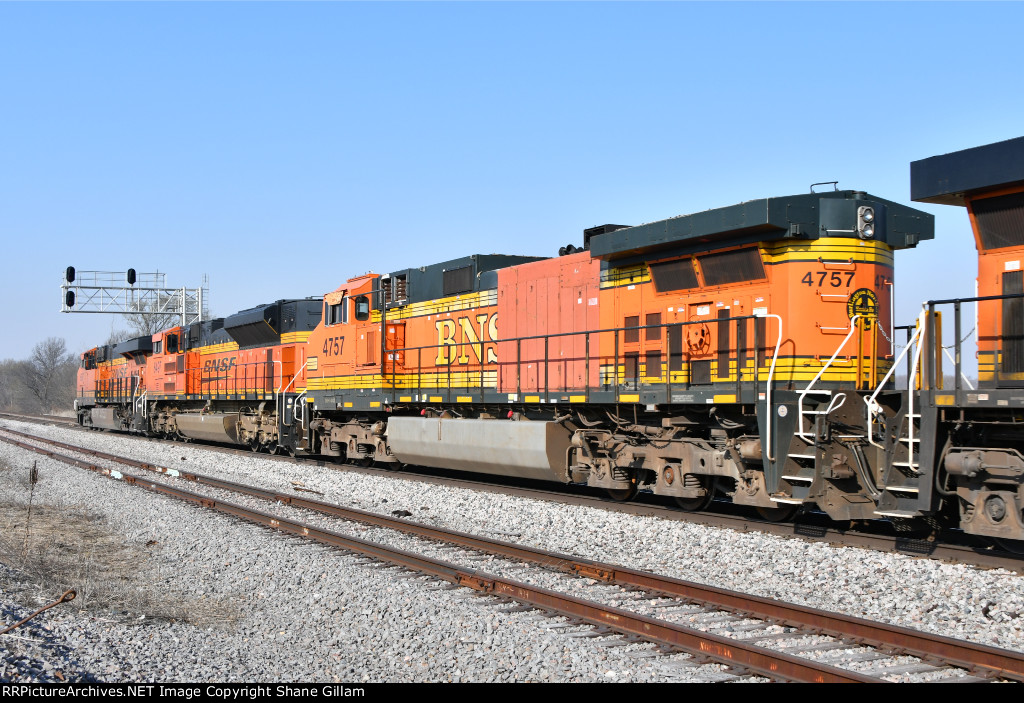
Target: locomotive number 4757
[333,346]
[835,278]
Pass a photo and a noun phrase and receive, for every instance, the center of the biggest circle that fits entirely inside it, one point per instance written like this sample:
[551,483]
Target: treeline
[42,383]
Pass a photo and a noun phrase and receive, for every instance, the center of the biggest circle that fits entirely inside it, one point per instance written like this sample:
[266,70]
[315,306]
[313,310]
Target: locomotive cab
[977,461]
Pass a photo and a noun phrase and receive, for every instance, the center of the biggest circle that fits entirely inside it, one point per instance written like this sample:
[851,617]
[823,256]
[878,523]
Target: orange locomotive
[706,354]
[225,380]
[690,357]
[971,446]
[745,352]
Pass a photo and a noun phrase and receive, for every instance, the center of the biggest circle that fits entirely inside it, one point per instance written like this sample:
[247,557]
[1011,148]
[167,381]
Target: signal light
[131,277]
[69,299]
[865,222]
[69,274]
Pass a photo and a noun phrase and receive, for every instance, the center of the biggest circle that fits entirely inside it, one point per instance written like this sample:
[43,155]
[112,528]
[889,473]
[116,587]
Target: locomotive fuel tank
[527,449]
[210,427]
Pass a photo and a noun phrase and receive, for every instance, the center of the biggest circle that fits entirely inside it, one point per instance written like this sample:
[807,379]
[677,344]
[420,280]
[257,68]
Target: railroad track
[770,630]
[973,552]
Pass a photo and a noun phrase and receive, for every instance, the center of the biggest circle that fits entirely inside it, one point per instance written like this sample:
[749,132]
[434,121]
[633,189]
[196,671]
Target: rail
[981,660]
[809,388]
[1010,363]
[522,366]
[768,392]
[873,408]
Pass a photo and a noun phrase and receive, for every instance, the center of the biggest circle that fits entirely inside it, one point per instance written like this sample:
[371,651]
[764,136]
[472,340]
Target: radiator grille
[731,267]
[1000,220]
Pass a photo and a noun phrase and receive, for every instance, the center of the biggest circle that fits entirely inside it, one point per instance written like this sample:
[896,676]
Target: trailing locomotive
[745,352]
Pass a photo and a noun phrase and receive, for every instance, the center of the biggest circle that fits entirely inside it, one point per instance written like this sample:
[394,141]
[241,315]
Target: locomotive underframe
[824,459]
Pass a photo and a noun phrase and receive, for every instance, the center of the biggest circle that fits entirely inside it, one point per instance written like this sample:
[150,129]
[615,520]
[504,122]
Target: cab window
[337,314]
[362,308]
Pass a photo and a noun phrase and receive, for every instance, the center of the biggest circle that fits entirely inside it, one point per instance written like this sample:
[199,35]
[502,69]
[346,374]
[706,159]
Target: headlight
[865,222]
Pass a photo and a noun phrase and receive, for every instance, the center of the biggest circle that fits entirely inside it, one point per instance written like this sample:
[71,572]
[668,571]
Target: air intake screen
[1000,220]
[731,267]
[458,280]
[674,275]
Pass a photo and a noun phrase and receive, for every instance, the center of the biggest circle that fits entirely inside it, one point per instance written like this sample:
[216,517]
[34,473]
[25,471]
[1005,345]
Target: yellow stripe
[218,348]
[462,379]
[463,399]
[630,398]
[831,250]
[725,398]
[484,298]
[577,399]
[531,399]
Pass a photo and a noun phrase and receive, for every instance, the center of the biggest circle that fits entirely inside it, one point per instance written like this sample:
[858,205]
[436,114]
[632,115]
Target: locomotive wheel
[622,494]
[784,511]
[701,502]
[1014,546]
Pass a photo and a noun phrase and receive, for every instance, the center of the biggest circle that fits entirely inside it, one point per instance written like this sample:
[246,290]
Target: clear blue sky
[282,148]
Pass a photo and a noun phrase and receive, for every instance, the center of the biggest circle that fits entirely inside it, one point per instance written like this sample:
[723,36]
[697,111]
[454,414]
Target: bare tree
[49,374]
[148,319]
[118,336]
[13,394]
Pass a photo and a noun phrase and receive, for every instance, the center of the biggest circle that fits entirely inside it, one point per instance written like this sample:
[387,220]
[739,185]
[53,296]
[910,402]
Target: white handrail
[807,389]
[872,406]
[301,398]
[910,386]
[768,387]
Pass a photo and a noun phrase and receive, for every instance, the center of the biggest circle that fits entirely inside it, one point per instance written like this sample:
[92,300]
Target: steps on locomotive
[903,490]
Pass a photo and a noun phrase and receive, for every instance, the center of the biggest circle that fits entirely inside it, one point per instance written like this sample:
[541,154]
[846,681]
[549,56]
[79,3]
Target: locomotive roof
[806,216]
[947,179]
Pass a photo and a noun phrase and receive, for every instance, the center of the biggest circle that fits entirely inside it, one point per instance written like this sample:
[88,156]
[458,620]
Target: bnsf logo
[219,365]
[458,339]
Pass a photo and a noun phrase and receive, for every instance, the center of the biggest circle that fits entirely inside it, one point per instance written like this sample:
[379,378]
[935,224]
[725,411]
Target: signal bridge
[130,293]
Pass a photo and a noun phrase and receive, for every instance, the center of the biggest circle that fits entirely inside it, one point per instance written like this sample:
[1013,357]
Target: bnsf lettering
[460,340]
[218,365]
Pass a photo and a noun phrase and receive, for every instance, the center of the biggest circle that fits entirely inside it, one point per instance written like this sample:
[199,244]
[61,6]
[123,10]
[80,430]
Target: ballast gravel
[280,609]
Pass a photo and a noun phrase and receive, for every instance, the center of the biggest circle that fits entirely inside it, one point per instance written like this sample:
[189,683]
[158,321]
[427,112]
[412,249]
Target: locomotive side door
[628,319]
[394,349]
[193,373]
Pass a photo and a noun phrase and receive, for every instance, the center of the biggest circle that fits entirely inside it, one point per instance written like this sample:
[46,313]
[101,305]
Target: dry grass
[52,548]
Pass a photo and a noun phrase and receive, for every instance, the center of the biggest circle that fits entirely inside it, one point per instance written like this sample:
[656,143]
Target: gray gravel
[290,611]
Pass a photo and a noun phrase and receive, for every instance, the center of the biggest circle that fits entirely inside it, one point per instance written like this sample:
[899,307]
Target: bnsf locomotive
[747,352]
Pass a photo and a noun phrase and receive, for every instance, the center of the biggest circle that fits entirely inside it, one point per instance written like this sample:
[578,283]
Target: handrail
[872,406]
[807,389]
[300,398]
[586,333]
[953,361]
[768,386]
[922,320]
